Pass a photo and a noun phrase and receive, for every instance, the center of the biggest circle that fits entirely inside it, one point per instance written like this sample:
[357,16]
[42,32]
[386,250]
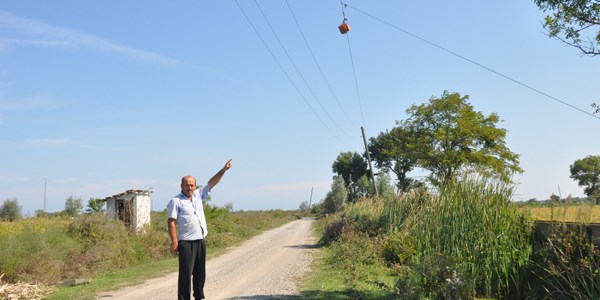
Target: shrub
[353,252]
[398,248]
[568,264]
[334,227]
[10,210]
[34,250]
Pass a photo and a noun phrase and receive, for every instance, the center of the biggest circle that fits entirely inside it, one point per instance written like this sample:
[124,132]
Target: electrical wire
[287,75]
[355,80]
[298,70]
[318,65]
[353,67]
[474,62]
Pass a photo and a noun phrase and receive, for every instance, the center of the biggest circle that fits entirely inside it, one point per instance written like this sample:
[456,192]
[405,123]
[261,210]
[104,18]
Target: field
[50,250]
[565,213]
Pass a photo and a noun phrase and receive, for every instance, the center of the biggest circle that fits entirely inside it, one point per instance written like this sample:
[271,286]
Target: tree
[350,166]
[40,213]
[384,185]
[574,22]
[304,206]
[570,20]
[587,172]
[336,198]
[10,210]
[73,205]
[448,137]
[362,188]
[94,206]
[396,150]
[554,199]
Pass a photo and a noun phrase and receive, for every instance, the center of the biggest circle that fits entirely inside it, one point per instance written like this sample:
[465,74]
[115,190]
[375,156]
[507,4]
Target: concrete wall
[143,208]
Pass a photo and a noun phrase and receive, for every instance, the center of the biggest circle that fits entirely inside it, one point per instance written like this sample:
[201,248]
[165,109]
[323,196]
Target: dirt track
[264,267]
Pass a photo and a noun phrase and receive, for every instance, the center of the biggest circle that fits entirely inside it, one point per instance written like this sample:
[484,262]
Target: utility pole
[310,199]
[369,160]
[44,194]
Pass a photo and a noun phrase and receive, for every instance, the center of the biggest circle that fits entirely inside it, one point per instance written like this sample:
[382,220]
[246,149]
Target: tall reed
[473,222]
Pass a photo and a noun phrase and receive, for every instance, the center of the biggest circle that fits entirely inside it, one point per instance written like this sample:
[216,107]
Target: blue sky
[100,97]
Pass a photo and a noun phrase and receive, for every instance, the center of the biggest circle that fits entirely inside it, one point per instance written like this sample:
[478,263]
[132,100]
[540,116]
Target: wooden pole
[369,160]
[310,199]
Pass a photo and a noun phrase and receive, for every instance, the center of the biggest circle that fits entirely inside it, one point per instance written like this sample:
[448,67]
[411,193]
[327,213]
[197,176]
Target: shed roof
[128,194]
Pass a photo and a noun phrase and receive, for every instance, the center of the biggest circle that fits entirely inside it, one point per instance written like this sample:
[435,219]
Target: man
[187,211]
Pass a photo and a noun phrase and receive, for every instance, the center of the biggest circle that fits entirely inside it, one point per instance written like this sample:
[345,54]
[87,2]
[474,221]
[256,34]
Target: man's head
[188,185]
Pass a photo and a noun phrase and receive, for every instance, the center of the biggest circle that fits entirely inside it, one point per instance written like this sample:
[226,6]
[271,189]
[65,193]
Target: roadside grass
[115,280]
[338,273]
[327,281]
[51,250]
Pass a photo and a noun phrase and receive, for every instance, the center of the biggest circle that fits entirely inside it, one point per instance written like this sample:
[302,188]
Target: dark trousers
[192,268]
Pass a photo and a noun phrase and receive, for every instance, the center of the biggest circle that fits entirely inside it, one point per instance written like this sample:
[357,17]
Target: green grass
[51,250]
[334,275]
[466,240]
[115,279]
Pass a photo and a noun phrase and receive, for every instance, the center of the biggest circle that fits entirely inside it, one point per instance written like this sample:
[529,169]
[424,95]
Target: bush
[10,210]
[567,264]
[35,250]
[398,248]
[355,251]
[334,227]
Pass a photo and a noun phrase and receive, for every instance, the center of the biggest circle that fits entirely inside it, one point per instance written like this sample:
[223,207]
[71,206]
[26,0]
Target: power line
[474,62]
[353,68]
[286,74]
[318,65]
[355,81]
[298,70]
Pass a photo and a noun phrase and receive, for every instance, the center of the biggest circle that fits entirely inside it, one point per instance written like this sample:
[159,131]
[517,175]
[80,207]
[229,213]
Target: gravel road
[264,267]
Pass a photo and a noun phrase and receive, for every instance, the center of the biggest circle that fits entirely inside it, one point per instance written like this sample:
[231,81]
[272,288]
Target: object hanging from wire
[344,27]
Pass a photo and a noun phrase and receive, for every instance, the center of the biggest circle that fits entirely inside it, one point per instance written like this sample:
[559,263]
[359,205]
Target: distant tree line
[10,210]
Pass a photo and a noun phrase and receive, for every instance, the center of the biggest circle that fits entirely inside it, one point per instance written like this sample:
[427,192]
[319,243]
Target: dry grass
[566,213]
[21,290]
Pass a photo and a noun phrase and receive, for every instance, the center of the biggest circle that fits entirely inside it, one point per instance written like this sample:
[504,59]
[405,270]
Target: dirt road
[264,267]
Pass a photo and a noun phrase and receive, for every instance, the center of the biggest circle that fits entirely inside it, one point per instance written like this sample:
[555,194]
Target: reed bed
[471,224]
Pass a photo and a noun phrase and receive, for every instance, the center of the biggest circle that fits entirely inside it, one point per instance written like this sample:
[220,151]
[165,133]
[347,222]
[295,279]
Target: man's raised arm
[217,177]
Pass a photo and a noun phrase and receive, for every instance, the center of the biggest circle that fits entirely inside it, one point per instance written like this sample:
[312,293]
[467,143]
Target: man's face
[188,185]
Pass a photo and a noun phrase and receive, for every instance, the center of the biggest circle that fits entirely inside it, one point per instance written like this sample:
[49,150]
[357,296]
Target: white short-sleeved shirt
[191,222]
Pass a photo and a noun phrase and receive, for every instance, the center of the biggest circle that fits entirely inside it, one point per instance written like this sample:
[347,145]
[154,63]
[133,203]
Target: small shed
[132,207]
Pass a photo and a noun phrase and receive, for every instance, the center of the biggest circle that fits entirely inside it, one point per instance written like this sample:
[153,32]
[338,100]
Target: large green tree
[10,210]
[447,137]
[396,150]
[350,166]
[574,22]
[587,173]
